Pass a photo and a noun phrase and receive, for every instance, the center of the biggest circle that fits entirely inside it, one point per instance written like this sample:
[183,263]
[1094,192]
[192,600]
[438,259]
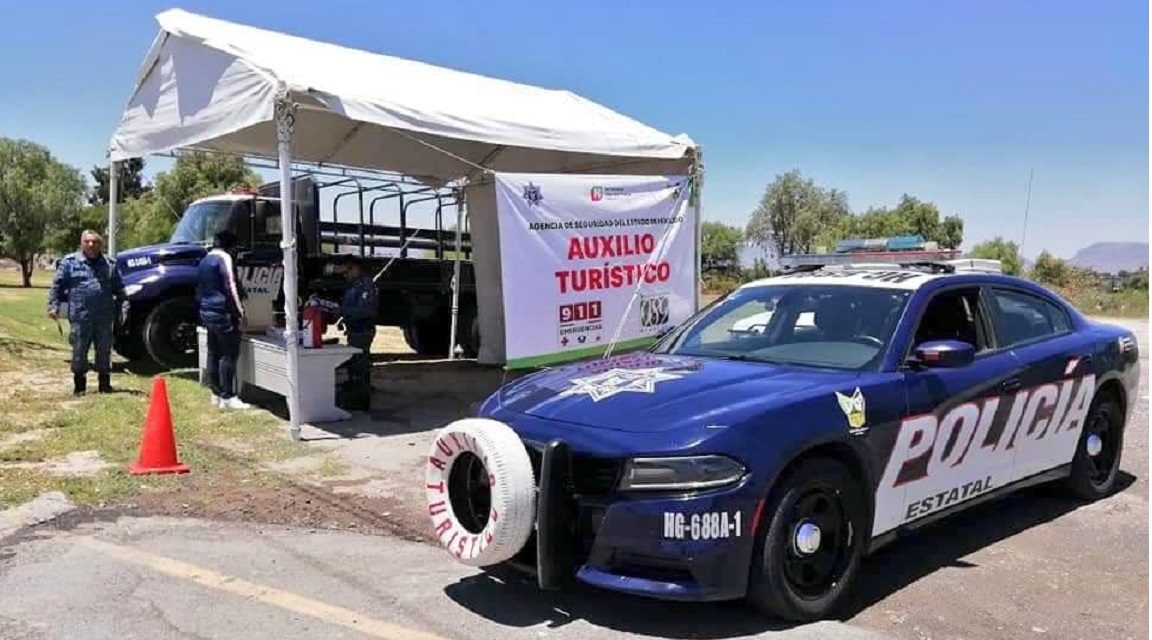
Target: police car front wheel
[808,556]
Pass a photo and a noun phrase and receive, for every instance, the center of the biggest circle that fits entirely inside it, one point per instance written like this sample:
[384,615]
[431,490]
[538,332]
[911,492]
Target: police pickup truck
[415,293]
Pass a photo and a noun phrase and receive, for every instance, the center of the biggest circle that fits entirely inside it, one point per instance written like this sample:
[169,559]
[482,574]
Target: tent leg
[456,277]
[113,205]
[697,196]
[285,125]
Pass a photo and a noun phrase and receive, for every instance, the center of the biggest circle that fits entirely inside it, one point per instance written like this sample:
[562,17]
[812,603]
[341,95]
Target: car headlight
[132,289]
[680,473]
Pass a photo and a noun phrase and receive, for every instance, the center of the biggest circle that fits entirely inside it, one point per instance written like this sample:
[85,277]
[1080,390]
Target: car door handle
[1011,384]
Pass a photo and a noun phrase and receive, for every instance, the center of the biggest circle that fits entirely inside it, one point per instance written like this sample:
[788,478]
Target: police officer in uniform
[90,284]
[358,309]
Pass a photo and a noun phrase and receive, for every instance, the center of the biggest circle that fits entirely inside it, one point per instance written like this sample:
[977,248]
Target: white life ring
[511,485]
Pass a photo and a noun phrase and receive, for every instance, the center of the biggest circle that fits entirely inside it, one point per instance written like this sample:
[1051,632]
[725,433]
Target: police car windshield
[202,221]
[833,326]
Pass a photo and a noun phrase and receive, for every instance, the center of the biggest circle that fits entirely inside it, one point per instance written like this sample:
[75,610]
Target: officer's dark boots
[105,383]
[79,384]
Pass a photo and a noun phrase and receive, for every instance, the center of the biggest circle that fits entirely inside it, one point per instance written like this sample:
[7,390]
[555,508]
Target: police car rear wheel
[481,491]
[813,539]
[1097,460]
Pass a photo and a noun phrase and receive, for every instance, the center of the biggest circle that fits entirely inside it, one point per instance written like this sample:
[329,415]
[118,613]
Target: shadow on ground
[508,597]
[947,542]
[411,394]
[17,345]
[35,285]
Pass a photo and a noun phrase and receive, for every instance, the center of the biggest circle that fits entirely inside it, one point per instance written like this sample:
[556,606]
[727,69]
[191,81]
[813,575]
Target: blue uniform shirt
[91,287]
[360,305]
[218,292]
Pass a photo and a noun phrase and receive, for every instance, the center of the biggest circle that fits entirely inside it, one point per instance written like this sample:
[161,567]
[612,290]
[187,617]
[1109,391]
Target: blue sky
[953,102]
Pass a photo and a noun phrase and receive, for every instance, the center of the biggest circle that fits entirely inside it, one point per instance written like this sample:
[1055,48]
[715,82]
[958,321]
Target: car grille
[591,476]
[649,567]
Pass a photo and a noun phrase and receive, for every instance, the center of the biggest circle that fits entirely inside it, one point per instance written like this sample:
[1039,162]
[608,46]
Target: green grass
[1129,303]
[35,392]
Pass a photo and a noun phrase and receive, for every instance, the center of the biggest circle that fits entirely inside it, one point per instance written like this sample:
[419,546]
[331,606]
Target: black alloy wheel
[807,559]
[817,556]
[1097,460]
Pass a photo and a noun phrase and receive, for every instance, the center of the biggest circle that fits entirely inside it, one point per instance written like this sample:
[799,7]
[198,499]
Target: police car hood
[142,258]
[647,392]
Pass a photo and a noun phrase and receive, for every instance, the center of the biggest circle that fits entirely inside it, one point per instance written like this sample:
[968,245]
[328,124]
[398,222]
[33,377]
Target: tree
[1007,252]
[65,238]
[911,216]
[1138,279]
[794,213]
[719,244]
[131,184]
[1050,270]
[199,174]
[951,232]
[37,195]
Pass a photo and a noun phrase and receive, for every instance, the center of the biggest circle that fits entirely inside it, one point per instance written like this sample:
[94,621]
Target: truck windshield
[202,221]
[826,326]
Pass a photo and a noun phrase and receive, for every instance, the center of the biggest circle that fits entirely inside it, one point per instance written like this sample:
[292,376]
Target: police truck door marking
[940,461]
[262,284]
[262,280]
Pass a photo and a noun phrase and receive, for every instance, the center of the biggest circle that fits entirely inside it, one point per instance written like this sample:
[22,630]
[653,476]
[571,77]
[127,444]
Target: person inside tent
[358,308]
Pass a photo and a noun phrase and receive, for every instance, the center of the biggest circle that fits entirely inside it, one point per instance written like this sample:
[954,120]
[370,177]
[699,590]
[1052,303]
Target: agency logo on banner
[654,311]
[600,192]
[532,194]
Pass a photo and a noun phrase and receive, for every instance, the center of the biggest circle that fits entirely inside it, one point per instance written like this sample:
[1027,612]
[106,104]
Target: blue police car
[764,446]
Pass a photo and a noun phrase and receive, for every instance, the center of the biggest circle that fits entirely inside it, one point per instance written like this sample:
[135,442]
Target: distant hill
[1112,257]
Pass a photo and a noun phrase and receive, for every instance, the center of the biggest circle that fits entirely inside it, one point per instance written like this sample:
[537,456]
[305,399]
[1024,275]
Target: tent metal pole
[285,125]
[113,205]
[697,196]
[456,276]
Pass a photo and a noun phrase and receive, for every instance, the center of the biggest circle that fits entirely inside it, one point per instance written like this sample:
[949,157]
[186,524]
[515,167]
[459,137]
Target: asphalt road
[160,578]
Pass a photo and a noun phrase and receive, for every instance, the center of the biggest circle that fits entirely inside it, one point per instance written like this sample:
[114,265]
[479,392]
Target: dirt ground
[1033,565]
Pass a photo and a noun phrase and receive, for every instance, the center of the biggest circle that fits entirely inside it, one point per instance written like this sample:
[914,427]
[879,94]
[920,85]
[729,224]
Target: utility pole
[1027,205]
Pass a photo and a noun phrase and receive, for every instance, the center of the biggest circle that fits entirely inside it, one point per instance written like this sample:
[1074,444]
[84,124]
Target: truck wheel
[481,491]
[808,555]
[427,337]
[129,347]
[129,342]
[471,339]
[170,334]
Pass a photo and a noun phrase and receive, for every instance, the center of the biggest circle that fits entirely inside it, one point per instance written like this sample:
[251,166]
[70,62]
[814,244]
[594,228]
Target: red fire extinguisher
[314,328]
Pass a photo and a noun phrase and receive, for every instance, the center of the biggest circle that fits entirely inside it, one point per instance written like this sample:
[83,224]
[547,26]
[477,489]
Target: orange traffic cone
[158,447]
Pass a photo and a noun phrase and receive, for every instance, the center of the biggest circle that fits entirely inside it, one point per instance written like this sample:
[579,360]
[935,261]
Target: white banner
[591,260]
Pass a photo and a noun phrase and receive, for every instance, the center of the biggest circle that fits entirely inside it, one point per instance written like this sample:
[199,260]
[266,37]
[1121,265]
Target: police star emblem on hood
[617,381]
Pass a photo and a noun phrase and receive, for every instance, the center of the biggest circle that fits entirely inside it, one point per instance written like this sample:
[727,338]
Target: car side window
[953,314]
[1028,318]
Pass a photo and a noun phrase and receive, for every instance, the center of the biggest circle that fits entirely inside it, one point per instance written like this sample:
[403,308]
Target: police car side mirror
[946,354]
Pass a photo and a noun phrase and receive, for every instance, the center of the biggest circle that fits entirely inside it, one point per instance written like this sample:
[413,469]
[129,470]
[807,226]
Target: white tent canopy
[212,84]
[219,86]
